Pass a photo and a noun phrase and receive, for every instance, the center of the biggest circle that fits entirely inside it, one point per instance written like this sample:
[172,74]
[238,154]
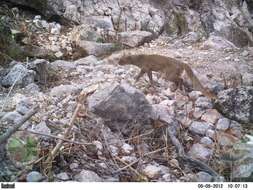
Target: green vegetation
[22,151]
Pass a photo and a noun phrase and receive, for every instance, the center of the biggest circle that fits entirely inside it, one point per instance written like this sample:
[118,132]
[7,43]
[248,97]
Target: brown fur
[170,67]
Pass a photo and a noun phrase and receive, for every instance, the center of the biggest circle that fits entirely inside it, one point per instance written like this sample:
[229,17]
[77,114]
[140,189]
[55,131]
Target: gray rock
[102,22]
[194,95]
[97,49]
[236,104]
[114,150]
[164,114]
[71,11]
[87,176]
[32,88]
[217,42]
[199,151]
[44,24]
[210,133]
[58,54]
[167,178]
[206,141]
[247,79]
[112,179]
[18,75]
[211,116]
[23,106]
[204,177]
[245,53]
[236,129]
[120,106]
[198,112]
[63,176]
[59,65]
[223,124]
[191,37]
[152,171]
[2,114]
[98,144]
[37,17]
[135,38]
[86,32]
[42,128]
[74,166]
[12,117]
[38,51]
[199,127]
[34,176]
[203,102]
[127,149]
[89,60]
[129,159]
[55,28]
[64,90]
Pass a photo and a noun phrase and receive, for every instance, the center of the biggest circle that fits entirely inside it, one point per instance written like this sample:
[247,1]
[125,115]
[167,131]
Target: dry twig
[81,99]
[56,137]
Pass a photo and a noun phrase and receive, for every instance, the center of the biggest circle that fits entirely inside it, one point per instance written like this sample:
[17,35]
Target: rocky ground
[124,129]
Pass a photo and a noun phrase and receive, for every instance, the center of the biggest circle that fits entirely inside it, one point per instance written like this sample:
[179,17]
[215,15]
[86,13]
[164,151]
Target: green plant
[22,151]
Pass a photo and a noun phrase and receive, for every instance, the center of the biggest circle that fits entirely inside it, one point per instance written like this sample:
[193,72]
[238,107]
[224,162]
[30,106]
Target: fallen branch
[81,99]
[129,166]
[56,137]
[11,131]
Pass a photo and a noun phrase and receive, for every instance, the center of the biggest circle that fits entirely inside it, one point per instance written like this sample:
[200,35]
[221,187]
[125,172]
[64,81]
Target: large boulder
[237,104]
[18,75]
[122,107]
